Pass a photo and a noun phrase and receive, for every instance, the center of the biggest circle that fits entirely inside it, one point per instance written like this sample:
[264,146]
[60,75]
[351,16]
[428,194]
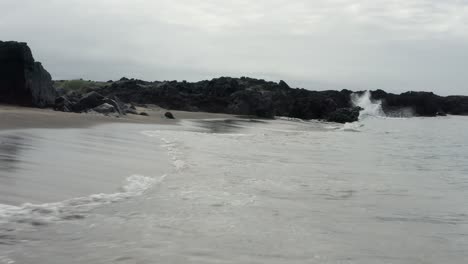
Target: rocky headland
[25,82]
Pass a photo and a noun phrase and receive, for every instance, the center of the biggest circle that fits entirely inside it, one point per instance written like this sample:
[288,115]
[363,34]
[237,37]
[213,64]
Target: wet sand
[15,117]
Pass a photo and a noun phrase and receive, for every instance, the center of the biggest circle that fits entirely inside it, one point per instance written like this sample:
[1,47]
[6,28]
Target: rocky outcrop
[93,102]
[239,96]
[344,115]
[23,81]
[422,103]
[247,96]
[105,109]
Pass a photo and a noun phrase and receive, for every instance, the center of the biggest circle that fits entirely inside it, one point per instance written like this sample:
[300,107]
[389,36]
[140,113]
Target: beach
[230,190]
[16,117]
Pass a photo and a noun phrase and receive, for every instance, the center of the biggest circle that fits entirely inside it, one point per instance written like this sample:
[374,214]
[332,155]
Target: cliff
[23,81]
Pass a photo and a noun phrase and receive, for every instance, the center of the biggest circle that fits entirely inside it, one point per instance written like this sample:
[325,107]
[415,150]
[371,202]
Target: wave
[352,127]
[285,118]
[172,148]
[369,107]
[75,208]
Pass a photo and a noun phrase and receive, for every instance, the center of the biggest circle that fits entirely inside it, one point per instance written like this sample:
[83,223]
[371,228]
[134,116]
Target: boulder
[118,105]
[105,109]
[344,115]
[23,81]
[169,115]
[89,101]
[63,104]
[130,109]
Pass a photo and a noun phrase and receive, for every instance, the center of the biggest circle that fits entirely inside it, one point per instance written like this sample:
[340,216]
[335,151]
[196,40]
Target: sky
[395,45]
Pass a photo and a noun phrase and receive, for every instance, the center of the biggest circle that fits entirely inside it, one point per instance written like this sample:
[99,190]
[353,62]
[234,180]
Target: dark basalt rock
[422,103]
[247,96]
[23,81]
[240,96]
[89,101]
[118,105]
[345,115]
[93,102]
[169,115]
[63,104]
[105,109]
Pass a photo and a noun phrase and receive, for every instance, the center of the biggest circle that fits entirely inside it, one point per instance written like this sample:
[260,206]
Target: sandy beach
[15,117]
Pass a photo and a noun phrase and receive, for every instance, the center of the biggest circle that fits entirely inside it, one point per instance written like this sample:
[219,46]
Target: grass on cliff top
[80,86]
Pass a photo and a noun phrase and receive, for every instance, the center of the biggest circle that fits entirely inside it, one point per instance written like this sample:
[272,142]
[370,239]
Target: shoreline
[17,117]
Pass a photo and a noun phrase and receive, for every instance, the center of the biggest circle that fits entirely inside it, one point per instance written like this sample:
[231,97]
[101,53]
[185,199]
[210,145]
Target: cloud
[393,44]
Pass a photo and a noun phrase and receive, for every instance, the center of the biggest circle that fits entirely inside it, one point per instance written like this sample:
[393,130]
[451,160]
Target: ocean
[382,190]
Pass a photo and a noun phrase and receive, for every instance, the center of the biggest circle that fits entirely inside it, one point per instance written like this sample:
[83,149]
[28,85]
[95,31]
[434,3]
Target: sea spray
[370,107]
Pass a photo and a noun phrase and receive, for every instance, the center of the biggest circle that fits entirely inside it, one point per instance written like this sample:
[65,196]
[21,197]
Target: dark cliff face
[22,80]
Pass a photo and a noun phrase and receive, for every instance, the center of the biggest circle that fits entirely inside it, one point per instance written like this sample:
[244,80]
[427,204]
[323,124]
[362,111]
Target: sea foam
[75,208]
[170,144]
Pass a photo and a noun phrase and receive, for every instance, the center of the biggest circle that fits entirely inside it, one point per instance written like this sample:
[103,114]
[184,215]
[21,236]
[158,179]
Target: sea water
[385,190]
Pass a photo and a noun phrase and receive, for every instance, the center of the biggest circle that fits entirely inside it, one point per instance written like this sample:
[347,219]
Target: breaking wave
[75,208]
[172,148]
[371,108]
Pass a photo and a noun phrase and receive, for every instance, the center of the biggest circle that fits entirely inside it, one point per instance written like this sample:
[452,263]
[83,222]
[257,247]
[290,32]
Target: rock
[248,96]
[130,109]
[169,115]
[105,109]
[240,96]
[421,103]
[455,105]
[63,104]
[23,81]
[118,105]
[89,101]
[345,115]
[283,85]
[144,114]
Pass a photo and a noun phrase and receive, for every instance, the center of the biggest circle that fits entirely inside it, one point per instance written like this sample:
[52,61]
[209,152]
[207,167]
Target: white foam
[170,144]
[353,127]
[285,118]
[74,208]
[370,107]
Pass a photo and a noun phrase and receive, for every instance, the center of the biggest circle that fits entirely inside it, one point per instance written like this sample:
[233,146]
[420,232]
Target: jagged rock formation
[23,81]
[422,103]
[248,96]
[240,96]
[93,102]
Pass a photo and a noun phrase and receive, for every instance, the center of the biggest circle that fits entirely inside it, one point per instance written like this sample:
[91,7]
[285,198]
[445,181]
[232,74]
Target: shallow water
[231,191]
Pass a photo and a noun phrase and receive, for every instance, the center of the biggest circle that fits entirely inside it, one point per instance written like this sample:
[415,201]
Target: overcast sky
[396,45]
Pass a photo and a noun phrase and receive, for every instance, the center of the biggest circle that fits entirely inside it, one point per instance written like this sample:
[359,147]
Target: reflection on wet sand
[10,148]
[49,165]
[225,126]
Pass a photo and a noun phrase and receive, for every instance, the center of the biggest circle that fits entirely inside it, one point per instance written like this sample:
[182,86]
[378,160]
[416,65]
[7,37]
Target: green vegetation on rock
[79,86]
